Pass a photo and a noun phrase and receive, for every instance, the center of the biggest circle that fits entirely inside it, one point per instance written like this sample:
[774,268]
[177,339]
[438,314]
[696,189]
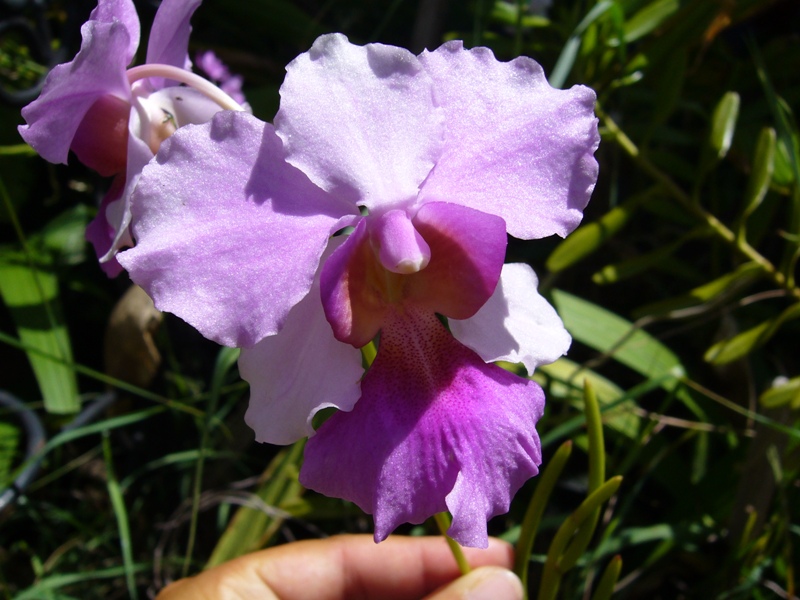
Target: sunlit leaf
[610,334]
[649,18]
[744,343]
[586,239]
[785,392]
[31,294]
[723,124]
[706,294]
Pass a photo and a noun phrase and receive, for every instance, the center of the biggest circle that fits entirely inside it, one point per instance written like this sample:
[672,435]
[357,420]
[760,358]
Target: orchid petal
[124,11]
[515,146]
[169,37]
[516,324]
[72,88]
[228,235]
[298,372]
[100,233]
[360,121]
[435,429]
[467,252]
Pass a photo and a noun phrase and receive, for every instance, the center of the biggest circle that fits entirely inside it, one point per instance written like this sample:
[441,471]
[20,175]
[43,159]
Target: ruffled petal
[515,146]
[360,121]
[124,11]
[228,235]
[516,324]
[296,373]
[435,429]
[72,88]
[169,37]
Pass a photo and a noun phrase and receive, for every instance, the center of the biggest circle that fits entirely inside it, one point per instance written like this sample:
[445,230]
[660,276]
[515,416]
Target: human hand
[353,567]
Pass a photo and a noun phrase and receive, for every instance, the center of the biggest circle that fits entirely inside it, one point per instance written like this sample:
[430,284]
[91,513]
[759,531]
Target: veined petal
[228,235]
[297,372]
[72,88]
[515,146]
[516,324]
[435,429]
[169,37]
[360,121]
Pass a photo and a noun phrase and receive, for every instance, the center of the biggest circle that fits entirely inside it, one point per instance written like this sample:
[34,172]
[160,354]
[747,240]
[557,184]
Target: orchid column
[429,162]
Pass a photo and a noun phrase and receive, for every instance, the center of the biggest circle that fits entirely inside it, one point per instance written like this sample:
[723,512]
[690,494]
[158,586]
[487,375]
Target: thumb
[485,583]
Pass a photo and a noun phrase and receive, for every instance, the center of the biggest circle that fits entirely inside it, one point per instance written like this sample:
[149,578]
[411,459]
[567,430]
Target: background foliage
[679,290]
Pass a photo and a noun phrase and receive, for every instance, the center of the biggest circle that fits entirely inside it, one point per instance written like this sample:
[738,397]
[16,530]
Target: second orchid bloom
[377,210]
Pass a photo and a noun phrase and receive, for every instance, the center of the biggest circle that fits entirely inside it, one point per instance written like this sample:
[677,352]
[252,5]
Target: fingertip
[484,583]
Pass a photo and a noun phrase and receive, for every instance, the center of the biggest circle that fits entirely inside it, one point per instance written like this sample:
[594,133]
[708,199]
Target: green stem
[681,196]
[533,516]
[443,521]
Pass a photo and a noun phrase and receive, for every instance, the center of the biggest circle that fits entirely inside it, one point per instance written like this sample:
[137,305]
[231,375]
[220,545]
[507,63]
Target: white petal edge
[298,372]
[516,324]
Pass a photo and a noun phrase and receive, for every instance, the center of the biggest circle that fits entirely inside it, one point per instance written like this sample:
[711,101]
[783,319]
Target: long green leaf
[31,294]
[612,335]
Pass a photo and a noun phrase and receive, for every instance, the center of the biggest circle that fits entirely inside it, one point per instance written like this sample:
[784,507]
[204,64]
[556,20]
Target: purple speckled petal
[298,372]
[169,37]
[515,146]
[72,88]
[228,235]
[516,324]
[435,429]
[360,121]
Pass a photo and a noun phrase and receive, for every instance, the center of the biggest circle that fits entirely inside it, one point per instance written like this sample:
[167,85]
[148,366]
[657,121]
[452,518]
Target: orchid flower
[428,162]
[114,118]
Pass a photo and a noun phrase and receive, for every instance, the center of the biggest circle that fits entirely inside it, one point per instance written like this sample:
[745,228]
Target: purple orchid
[113,118]
[429,161]
[216,70]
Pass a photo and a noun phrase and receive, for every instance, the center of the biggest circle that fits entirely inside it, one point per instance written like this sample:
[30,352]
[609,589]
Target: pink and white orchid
[429,162]
[114,118]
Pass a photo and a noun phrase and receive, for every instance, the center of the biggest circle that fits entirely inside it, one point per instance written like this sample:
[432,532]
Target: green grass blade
[533,515]
[605,587]
[121,514]
[31,295]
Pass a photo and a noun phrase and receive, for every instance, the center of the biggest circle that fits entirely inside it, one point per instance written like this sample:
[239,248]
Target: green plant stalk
[225,360]
[251,529]
[533,516]
[443,522]
[121,513]
[728,236]
[597,475]
[551,576]
[605,587]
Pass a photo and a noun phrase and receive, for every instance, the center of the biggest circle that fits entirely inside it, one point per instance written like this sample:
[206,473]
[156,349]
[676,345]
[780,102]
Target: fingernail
[493,583]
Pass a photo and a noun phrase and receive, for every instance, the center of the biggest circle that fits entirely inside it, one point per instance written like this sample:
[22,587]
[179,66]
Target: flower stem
[681,196]
[443,521]
[183,76]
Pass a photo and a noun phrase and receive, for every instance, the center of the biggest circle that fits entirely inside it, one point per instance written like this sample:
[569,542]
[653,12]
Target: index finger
[349,566]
